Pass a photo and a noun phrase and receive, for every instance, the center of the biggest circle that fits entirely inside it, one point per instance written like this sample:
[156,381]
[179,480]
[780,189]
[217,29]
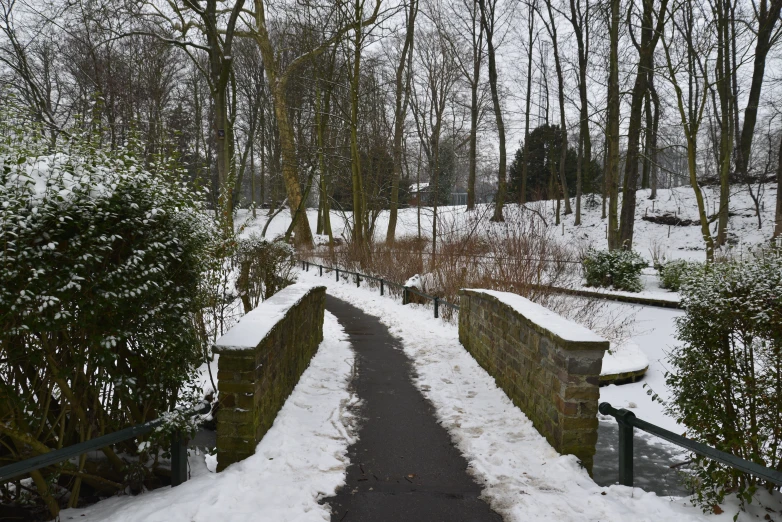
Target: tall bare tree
[612,130]
[490,21]
[650,34]
[551,27]
[401,101]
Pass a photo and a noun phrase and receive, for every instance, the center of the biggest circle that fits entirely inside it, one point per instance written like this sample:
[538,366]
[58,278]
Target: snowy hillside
[673,242]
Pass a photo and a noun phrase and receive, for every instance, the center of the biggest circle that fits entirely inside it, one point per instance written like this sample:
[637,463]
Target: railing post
[178,459]
[381,287]
[321,270]
[337,275]
[436,307]
[625,447]
[358,281]
[405,296]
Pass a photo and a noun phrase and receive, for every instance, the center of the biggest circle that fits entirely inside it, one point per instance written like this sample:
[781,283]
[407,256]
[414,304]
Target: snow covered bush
[620,269]
[265,267]
[673,273]
[101,262]
[725,375]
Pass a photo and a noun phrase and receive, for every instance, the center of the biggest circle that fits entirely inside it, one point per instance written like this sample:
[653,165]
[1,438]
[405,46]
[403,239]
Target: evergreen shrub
[725,372]
[101,262]
[673,273]
[620,269]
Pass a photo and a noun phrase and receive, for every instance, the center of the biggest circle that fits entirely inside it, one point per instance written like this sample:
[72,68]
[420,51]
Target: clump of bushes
[620,269]
[265,267]
[101,264]
[674,273]
[724,376]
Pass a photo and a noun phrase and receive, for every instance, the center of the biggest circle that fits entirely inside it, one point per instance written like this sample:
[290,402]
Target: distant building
[422,192]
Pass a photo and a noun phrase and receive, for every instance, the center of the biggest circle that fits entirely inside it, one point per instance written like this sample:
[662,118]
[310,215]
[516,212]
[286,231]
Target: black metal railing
[628,421]
[178,450]
[405,290]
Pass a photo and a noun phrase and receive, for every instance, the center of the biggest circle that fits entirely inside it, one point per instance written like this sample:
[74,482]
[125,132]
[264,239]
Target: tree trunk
[562,121]
[477,58]
[655,128]
[724,73]
[612,125]
[528,100]
[290,169]
[402,85]
[585,139]
[768,15]
[649,38]
[487,19]
[357,182]
[647,156]
[778,216]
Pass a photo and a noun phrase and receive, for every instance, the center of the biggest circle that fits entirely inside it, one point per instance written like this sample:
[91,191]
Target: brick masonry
[254,381]
[554,381]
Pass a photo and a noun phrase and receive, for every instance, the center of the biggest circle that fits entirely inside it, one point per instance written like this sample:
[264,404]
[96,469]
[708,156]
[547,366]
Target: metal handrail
[406,289]
[178,450]
[627,421]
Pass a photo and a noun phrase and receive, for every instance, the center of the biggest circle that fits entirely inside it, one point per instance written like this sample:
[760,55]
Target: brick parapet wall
[261,360]
[552,377]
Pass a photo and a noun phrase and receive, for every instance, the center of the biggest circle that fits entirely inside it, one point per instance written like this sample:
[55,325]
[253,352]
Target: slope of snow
[679,242]
[301,460]
[524,478]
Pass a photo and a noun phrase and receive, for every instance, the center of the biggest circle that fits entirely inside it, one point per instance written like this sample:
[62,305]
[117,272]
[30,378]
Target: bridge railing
[178,450]
[628,421]
[406,290]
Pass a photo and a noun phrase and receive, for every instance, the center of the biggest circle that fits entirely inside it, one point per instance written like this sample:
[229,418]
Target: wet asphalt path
[404,466]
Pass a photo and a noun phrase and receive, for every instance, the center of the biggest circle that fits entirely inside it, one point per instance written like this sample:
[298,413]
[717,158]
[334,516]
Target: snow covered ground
[301,460]
[683,242]
[524,478]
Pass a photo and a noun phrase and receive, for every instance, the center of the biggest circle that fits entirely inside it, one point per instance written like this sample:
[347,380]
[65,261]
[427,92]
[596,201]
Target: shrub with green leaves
[620,269]
[725,373]
[674,273]
[101,261]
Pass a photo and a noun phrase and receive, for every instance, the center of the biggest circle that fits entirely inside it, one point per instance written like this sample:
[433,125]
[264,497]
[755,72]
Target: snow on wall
[563,328]
[547,365]
[256,325]
[261,360]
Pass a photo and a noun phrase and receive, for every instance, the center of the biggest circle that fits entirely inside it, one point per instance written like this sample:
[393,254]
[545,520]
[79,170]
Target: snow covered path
[524,478]
[301,460]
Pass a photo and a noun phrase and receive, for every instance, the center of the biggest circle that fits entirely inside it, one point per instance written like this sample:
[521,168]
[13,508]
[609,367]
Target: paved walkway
[404,466]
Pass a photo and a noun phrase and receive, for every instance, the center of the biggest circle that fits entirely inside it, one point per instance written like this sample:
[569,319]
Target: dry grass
[521,255]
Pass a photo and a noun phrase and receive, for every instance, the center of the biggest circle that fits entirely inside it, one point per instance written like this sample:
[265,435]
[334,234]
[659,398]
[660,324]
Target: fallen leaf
[717,510]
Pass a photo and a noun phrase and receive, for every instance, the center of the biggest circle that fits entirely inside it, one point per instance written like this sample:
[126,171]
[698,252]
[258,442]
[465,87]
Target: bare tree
[433,86]
[691,114]
[552,31]
[612,130]
[489,19]
[401,101]
[650,34]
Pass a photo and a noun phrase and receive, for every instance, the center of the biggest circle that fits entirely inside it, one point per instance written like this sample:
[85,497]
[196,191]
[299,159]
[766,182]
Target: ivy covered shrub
[673,273]
[620,269]
[265,267]
[724,377]
[101,261]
